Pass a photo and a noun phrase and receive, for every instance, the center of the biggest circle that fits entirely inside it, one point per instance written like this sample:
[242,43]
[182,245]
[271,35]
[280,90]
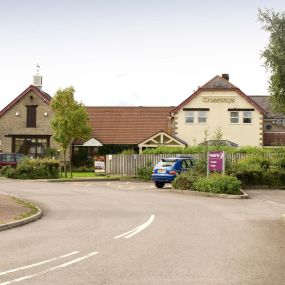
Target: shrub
[34,169]
[217,183]
[185,181]
[83,169]
[7,171]
[145,172]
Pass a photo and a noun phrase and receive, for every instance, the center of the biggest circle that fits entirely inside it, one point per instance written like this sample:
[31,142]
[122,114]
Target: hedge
[33,169]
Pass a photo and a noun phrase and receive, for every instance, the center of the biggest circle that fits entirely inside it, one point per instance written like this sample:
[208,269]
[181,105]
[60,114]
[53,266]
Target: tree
[70,121]
[274,55]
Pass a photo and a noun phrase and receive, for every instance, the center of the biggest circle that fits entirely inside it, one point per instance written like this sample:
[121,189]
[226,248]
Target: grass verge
[31,209]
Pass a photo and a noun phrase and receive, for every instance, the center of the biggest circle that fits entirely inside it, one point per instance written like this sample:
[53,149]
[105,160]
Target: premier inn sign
[218,100]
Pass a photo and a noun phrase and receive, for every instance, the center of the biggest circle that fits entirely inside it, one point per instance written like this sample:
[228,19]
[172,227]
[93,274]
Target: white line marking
[50,269]
[136,230]
[88,184]
[39,263]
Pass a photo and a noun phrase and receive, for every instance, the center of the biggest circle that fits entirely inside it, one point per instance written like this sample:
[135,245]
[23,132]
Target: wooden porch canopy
[161,139]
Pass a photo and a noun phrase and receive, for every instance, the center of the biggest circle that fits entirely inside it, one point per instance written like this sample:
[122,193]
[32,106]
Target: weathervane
[38,68]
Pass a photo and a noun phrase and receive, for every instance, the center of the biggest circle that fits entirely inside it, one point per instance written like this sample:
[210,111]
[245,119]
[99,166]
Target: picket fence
[128,164]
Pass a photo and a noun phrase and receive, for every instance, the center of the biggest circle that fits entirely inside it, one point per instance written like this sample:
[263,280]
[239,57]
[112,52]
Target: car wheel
[159,184]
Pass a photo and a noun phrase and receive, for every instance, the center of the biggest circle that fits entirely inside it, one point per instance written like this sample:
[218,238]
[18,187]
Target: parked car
[10,159]
[168,168]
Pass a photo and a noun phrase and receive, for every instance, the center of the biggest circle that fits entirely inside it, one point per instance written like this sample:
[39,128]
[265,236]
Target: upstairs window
[189,117]
[202,117]
[247,118]
[234,117]
[31,116]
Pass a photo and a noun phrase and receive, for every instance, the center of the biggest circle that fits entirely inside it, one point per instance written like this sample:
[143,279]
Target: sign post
[216,162]
[99,164]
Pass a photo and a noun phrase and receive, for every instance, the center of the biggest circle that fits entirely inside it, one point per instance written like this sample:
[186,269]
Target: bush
[34,169]
[145,172]
[83,169]
[257,170]
[217,183]
[185,181]
[7,170]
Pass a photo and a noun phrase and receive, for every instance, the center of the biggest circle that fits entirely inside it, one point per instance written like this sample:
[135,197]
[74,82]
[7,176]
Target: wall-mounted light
[46,114]
[17,114]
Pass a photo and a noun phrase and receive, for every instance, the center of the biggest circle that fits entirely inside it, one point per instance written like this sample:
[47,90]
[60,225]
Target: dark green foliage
[116,148]
[200,166]
[185,181]
[257,170]
[274,55]
[83,169]
[6,171]
[217,183]
[51,153]
[34,169]
[81,158]
[204,149]
[145,172]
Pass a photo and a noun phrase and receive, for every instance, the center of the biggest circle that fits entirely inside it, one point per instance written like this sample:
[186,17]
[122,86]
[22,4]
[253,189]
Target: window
[32,146]
[234,117]
[31,116]
[247,119]
[189,117]
[202,117]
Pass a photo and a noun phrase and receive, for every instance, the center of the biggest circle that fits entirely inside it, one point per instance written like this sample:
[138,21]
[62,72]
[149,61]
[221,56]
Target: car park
[11,159]
[168,168]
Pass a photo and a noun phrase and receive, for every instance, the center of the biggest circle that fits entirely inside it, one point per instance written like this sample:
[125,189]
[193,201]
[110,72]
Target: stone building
[25,122]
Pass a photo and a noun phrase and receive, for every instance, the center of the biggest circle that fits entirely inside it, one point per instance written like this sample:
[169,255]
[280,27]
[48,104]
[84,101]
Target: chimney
[38,79]
[226,76]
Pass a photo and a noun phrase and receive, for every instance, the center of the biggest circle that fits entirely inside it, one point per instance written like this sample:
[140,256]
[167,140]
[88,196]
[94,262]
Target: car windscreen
[165,163]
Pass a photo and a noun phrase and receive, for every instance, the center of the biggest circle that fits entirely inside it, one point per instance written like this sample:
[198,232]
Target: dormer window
[31,116]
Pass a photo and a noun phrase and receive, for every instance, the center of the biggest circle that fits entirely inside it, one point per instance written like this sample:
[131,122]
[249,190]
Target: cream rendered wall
[219,117]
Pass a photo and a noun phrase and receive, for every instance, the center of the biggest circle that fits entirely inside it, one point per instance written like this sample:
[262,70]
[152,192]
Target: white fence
[128,164]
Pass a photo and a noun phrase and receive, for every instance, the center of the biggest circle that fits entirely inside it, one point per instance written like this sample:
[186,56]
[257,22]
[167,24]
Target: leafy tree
[274,55]
[70,121]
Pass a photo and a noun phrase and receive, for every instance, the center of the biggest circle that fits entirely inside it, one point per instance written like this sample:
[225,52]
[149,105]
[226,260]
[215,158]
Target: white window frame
[232,118]
[204,117]
[189,117]
[247,115]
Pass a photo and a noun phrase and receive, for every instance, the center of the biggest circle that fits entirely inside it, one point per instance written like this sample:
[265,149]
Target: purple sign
[216,161]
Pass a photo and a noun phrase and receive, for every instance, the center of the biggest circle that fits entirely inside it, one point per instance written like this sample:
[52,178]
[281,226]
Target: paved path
[10,210]
[130,233]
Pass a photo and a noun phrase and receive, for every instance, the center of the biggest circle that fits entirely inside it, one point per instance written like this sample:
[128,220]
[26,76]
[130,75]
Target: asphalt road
[130,233]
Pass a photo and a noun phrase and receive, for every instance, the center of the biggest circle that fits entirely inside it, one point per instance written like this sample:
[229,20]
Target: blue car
[168,168]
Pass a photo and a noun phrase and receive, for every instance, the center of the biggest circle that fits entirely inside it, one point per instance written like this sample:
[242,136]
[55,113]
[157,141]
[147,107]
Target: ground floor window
[32,146]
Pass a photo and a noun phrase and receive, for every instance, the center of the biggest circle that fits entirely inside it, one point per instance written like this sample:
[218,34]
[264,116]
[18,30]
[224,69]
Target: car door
[184,166]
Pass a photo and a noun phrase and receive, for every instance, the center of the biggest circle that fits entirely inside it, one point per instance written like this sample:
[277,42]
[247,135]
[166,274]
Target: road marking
[88,184]
[38,263]
[51,269]
[136,230]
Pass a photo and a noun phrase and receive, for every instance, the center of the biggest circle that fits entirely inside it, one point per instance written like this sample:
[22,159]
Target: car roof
[176,158]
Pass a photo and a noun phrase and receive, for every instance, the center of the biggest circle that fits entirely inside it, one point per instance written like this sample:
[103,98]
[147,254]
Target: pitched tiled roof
[127,125]
[219,83]
[46,97]
[264,102]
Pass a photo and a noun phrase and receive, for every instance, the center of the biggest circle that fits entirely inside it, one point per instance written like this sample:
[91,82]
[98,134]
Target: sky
[131,53]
